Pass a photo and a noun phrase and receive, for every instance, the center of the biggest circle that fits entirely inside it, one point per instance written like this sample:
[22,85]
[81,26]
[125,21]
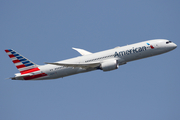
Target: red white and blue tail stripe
[23,64]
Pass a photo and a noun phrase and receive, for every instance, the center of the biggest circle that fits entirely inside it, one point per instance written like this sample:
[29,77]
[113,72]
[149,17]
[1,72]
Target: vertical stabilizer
[23,64]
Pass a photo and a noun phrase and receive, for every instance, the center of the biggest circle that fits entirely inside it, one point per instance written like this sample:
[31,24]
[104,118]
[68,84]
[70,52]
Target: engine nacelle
[109,65]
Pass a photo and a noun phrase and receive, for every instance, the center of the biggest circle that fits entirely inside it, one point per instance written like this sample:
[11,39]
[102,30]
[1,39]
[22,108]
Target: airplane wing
[85,66]
[82,52]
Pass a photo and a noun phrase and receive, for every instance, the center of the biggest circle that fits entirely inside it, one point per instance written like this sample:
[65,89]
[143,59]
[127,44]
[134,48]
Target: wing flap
[85,66]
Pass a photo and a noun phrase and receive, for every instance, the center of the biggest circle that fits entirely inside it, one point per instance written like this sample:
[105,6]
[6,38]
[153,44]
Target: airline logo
[23,64]
[150,46]
[130,51]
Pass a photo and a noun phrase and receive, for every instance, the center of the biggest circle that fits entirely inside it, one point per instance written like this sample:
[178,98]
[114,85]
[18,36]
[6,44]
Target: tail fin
[23,64]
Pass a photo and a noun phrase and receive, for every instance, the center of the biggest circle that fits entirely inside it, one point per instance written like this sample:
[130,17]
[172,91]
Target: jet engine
[109,65]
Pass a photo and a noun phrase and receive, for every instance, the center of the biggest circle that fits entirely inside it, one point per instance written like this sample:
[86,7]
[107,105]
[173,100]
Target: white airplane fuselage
[105,60]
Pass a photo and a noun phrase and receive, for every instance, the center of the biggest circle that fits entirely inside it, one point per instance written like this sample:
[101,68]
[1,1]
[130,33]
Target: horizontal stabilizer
[18,75]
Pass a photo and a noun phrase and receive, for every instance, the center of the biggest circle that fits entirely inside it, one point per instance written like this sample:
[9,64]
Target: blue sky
[45,31]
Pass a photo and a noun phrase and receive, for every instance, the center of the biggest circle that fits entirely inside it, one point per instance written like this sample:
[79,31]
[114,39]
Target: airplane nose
[170,46]
[174,45]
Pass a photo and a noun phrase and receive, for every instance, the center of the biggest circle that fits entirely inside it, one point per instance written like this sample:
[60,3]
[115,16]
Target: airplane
[105,60]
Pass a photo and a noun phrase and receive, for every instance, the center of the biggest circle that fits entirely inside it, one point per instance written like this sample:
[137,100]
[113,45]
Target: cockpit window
[168,42]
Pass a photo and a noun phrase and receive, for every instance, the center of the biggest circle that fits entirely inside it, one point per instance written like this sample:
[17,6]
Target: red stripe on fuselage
[35,76]
[30,70]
